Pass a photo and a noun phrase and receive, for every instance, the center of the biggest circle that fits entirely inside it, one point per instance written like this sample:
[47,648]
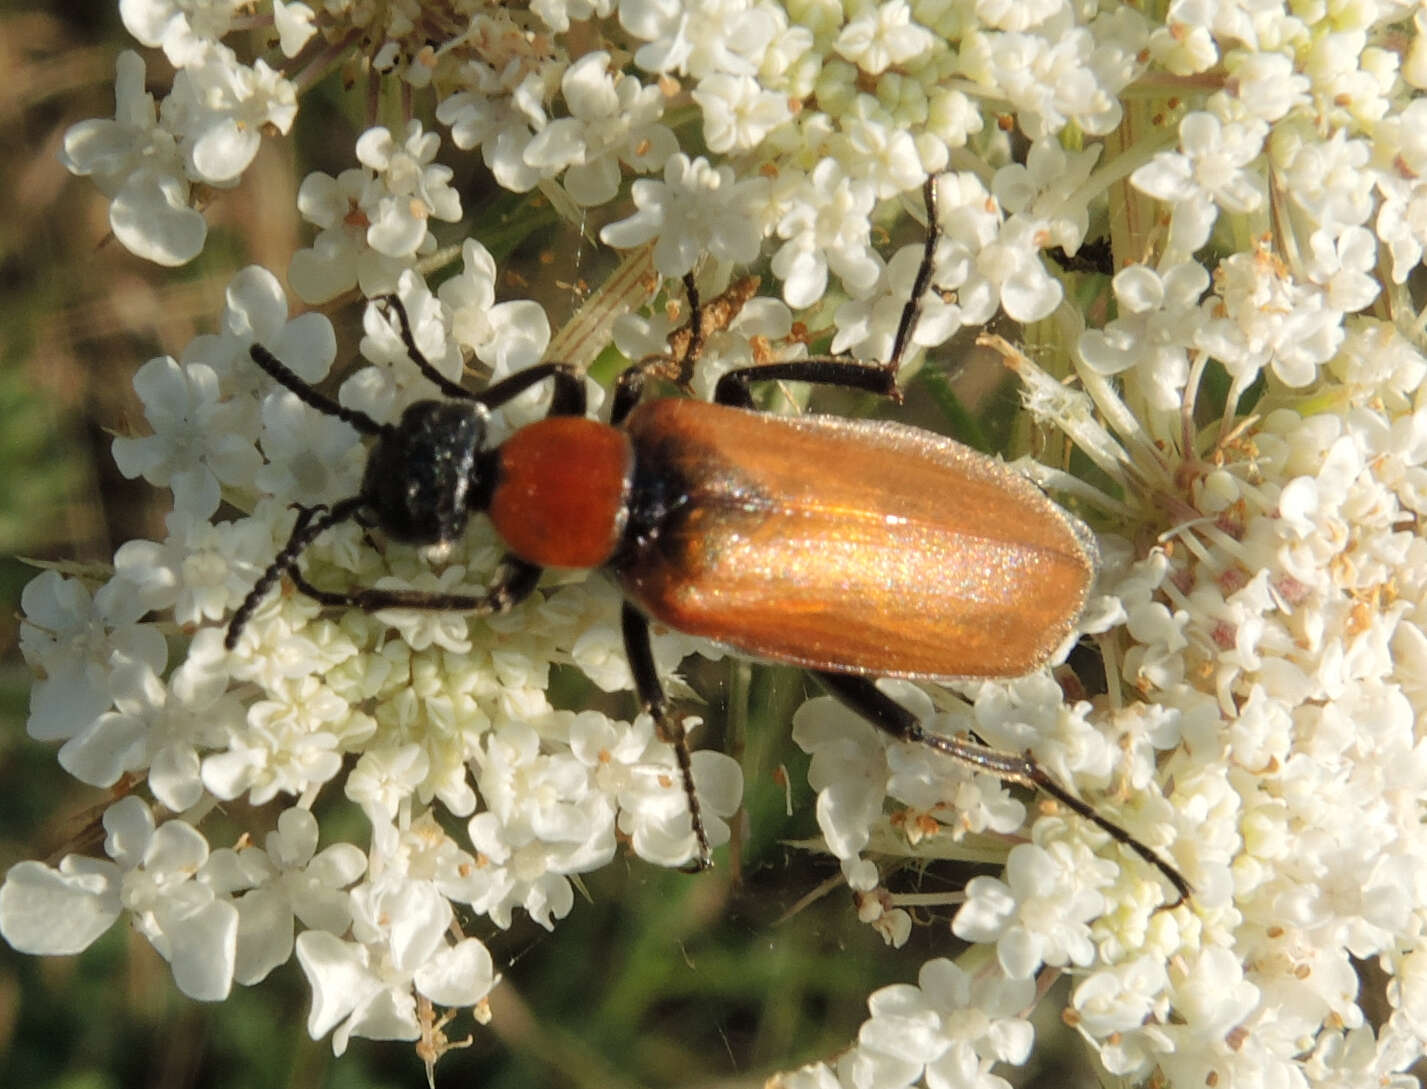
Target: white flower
[510,336]
[1343,267]
[284,880]
[136,162]
[196,442]
[422,628]
[374,221]
[1012,266]
[500,115]
[1159,318]
[58,911]
[413,188]
[1054,79]
[339,256]
[1259,317]
[382,391]
[883,154]
[312,457]
[155,727]
[219,107]
[384,777]
[152,876]
[558,13]
[1267,84]
[1402,225]
[867,327]
[1047,189]
[825,225]
[1185,44]
[697,210]
[951,1025]
[738,112]
[1017,15]
[201,570]
[286,745]
[1039,915]
[256,310]
[612,120]
[294,26]
[702,39]
[182,27]
[883,36]
[1121,998]
[1210,169]
[848,771]
[628,764]
[761,319]
[1329,179]
[545,821]
[368,987]
[77,641]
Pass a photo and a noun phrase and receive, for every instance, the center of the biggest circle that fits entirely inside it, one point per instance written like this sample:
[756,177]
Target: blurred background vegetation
[656,978]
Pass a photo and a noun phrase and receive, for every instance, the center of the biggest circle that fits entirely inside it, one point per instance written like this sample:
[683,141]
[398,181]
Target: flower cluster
[1261,174]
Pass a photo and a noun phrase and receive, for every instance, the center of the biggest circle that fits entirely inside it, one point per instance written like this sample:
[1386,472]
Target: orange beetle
[855,549]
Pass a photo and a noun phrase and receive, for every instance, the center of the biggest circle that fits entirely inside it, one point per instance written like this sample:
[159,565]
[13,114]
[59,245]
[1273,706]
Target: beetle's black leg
[629,386]
[305,530]
[831,370]
[666,721]
[696,328]
[628,389]
[923,278]
[864,697]
[514,582]
[733,387]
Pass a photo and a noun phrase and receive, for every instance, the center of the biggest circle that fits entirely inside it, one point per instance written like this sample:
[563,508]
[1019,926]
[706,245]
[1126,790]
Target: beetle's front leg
[514,582]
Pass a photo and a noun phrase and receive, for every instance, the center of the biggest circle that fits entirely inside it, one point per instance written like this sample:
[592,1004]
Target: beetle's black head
[421,481]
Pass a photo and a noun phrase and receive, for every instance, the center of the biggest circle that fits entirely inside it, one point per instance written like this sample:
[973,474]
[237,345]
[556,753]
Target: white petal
[294,26]
[151,217]
[338,975]
[202,950]
[460,976]
[224,151]
[58,912]
[264,935]
[307,345]
[108,747]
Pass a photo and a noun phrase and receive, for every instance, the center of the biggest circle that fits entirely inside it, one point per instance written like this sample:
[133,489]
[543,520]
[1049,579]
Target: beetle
[855,549]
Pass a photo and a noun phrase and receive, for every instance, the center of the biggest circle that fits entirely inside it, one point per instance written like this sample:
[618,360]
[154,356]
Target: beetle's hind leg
[863,696]
[666,720]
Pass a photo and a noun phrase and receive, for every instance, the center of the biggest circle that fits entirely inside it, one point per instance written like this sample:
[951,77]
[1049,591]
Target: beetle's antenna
[305,530]
[309,396]
[416,355]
